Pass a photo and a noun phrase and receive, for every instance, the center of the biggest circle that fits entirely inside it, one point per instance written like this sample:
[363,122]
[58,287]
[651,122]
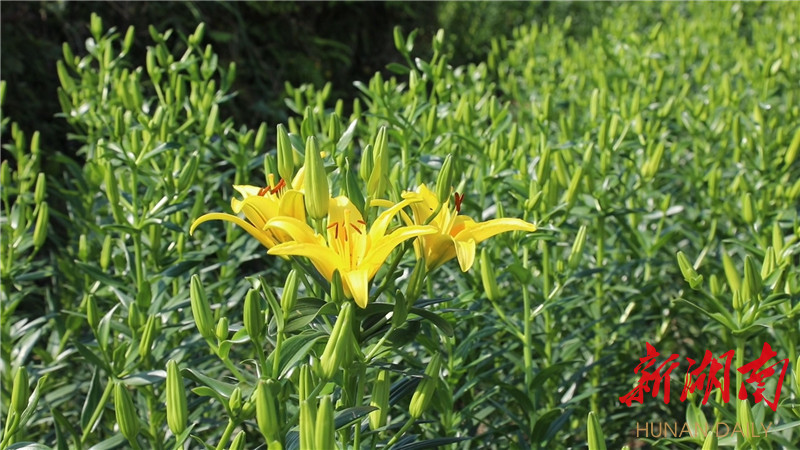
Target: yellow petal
[465,251]
[258,210]
[255,232]
[299,231]
[437,248]
[247,190]
[484,230]
[291,204]
[378,228]
[358,282]
[298,183]
[383,247]
[338,206]
[323,258]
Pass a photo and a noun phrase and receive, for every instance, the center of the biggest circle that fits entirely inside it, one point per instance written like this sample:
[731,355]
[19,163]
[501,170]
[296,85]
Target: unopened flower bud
[444,181]
[714,286]
[253,315]
[238,441]
[324,428]
[126,412]
[235,401]
[744,416]
[577,248]
[751,286]
[148,336]
[177,410]
[20,391]
[731,274]
[92,313]
[379,177]
[105,253]
[5,174]
[748,211]
[307,428]
[40,229]
[380,400]
[188,173]
[489,277]
[222,329]
[201,310]
[711,441]
[595,437]
[365,168]
[317,196]
[689,274]
[339,341]
[285,156]
[267,410]
[41,188]
[769,263]
[425,389]
[289,296]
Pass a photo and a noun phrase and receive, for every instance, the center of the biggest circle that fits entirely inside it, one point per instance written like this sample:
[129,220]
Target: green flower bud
[714,285]
[737,300]
[744,416]
[334,127]
[235,401]
[289,295]
[378,178]
[797,375]
[324,428]
[201,310]
[127,42]
[222,329]
[365,168]
[416,282]
[400,311]
[695,417]
[126,412]
[444,181]
[792,151]
[92,313]
[267,411]
[425,389]
[20,391]
[352,189]
[188,173]
[769,264]
[211,123]
[285,156]
[751,287]
[253,315]
[339,341]
[711,441]
[5,174]
[594,434]
[83,248]
[689,274]
[40,230]
[577,248]
[307,428]
[238,441]
[177,411]
[41,189]
[380,400]
[489,277]
[748,210]
[317,197]
[151,330]
[731,273]
[306,382]
[105,253]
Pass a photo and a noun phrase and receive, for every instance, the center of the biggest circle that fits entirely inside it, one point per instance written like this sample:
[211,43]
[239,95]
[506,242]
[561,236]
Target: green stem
[226,435]
[527,331]
[98,411]
[400,432]
[277,355]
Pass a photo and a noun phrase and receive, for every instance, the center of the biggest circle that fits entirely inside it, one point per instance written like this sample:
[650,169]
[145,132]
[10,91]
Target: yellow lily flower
[261,204]
[457,235]
[357,253]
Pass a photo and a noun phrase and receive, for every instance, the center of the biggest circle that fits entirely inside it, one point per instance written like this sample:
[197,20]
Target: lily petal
[383,247]
[484,230]
[299,231]
[291,204]
[323,258]
[358,281]
[262,237]
[465,252]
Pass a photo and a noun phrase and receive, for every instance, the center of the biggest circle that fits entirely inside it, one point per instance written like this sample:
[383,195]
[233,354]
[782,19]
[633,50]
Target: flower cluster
[343,240]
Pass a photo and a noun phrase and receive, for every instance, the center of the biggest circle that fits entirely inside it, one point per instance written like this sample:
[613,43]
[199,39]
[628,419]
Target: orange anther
[263,191]
[459,199]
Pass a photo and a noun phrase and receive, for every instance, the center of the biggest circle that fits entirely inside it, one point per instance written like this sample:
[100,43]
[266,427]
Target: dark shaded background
[271,43]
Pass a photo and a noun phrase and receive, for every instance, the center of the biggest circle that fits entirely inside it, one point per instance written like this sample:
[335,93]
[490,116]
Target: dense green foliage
[658,157]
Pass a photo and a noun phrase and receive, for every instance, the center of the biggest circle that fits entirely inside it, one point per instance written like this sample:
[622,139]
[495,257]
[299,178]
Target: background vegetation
[627,132]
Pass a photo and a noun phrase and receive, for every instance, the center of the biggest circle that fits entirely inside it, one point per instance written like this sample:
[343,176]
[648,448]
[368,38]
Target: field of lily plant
[585,239]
